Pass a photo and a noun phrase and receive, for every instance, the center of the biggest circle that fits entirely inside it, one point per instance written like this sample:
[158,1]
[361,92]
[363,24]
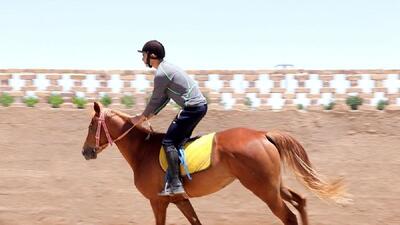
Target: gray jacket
[171,82]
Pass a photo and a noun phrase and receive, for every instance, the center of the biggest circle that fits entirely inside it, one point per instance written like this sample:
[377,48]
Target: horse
[253,157]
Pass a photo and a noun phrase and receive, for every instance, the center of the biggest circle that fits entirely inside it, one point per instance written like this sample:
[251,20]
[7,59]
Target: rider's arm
[159,97]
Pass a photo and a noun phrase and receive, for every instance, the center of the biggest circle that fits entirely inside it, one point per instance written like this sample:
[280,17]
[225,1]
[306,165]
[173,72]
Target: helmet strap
[148,60]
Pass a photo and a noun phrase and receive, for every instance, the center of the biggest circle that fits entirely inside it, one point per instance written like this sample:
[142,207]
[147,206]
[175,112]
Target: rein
[102,122]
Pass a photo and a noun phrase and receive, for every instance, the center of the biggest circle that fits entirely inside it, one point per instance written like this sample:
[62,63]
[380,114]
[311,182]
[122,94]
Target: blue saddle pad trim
[182,162]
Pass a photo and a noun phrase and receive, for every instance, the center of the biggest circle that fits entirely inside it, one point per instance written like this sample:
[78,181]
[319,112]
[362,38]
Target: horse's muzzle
[89,153]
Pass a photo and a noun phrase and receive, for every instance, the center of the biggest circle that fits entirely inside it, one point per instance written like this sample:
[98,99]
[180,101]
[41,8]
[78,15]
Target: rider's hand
[138,119]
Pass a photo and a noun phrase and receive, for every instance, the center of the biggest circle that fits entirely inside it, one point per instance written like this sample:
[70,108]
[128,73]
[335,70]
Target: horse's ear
[97,108]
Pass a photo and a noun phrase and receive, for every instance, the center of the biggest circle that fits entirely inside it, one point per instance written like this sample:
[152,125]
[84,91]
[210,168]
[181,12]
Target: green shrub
[106,100]
[329,106]
[382,104]
[300,106]
[55,100]
[354,102]
[6,99]
[207,98]
[31,101]
[248,102]
[80,102]
[128,101]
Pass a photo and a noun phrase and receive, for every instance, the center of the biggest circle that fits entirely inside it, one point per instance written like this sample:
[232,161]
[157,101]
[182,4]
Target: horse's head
[107,127]
[98,137]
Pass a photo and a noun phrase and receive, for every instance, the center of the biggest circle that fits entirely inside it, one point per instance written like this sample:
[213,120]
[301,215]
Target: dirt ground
[45,180]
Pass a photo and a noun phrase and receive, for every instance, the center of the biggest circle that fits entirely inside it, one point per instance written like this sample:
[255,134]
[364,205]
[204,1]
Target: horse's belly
[208,181]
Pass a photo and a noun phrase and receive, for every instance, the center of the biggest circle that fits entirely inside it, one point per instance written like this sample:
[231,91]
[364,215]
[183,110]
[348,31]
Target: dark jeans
[183,125]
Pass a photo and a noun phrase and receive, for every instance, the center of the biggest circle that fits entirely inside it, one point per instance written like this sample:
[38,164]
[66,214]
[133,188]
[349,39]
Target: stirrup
[166,192]
[169,191]
[178,190]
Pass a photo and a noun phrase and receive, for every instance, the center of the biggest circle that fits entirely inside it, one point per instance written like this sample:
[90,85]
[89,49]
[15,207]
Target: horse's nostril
[85,152]
[89,153]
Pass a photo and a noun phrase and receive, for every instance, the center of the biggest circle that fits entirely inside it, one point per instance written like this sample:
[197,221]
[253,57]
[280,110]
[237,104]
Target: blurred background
[325,71]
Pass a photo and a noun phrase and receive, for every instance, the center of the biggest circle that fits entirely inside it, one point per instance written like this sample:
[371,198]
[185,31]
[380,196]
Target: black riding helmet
[153,47]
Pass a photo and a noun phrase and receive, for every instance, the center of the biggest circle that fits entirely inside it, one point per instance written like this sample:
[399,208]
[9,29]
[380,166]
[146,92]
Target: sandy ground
[45,180]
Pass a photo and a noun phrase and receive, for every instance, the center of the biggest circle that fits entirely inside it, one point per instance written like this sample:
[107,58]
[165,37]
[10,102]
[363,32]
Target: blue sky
[207,34]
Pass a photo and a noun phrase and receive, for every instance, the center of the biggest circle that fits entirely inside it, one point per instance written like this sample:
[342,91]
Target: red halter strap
[102,122]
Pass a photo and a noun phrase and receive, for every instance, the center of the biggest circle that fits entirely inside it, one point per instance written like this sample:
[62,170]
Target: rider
[171,82]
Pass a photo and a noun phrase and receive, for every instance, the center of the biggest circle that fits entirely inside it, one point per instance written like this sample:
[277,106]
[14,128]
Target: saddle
[196,154]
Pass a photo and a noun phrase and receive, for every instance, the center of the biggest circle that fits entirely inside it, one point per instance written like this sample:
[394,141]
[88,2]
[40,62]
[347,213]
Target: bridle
[102,122]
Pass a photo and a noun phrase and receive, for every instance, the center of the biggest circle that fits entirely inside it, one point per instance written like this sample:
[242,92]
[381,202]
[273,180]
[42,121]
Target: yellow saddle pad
[197,154]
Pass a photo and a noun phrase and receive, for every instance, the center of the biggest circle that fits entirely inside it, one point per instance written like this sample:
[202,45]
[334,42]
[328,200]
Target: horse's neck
[131,146]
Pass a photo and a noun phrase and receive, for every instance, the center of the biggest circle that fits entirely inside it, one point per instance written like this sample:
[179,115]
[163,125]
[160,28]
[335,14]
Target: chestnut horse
[253,157]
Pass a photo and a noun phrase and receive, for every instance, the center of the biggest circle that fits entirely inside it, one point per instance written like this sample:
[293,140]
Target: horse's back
[239,138]
[240,146]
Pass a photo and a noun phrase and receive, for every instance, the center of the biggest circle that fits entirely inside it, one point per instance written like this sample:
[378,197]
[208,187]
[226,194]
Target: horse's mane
[127,117]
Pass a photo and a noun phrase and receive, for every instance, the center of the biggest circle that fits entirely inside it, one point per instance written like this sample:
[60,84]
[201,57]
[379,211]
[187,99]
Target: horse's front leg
[160,210]
[187,209]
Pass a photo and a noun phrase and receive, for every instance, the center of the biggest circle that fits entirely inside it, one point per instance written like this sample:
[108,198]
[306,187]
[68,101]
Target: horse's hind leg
[278,207]
[270,194]
[297,201]
[187,209]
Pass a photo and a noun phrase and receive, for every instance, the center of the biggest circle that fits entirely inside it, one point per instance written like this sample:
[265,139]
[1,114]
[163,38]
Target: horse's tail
[294,155]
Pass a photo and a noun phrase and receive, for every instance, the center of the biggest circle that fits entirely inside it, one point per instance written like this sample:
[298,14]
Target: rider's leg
[175,184]
[181,128]
[192,117]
